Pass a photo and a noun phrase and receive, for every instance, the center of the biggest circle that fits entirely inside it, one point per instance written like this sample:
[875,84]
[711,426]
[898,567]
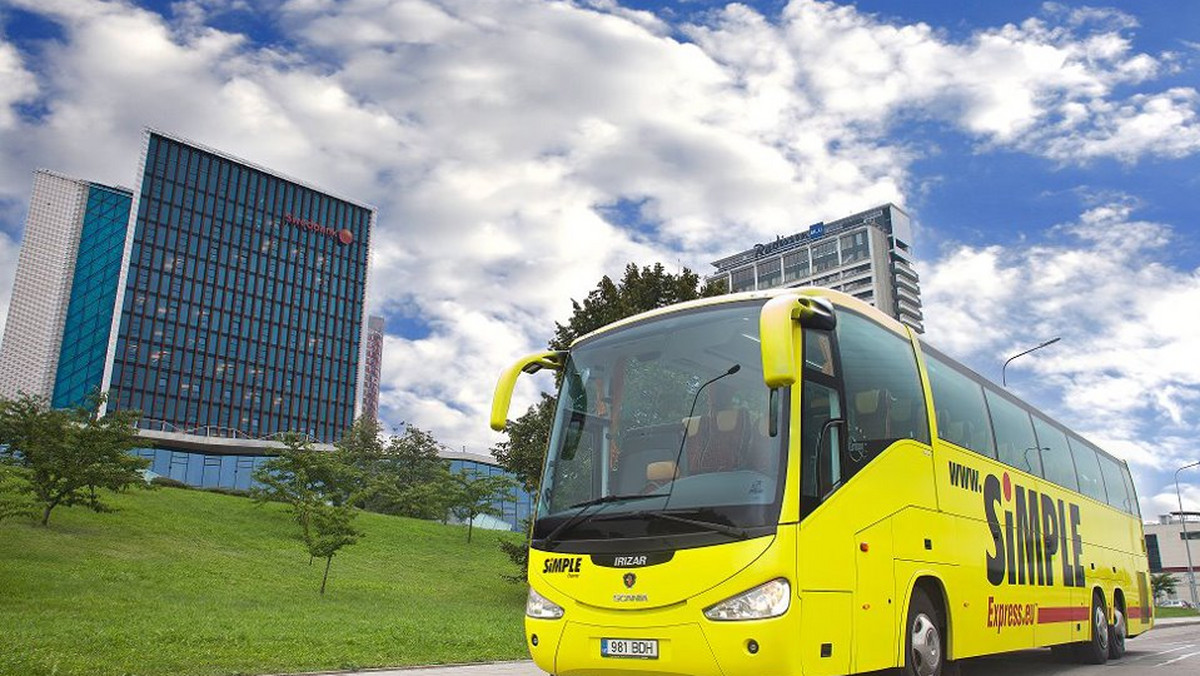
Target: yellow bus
[791,482]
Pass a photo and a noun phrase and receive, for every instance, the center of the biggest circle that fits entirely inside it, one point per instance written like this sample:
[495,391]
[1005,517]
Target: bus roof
[836,297]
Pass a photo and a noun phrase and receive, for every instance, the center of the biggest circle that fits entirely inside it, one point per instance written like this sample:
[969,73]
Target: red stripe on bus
[1067,614]
[1133,613]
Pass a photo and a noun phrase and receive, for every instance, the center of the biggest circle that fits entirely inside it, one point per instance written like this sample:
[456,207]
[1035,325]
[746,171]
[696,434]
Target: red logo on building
[344,236]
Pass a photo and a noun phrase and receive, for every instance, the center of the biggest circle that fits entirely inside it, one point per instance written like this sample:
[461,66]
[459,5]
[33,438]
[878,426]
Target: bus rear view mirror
[777,330]
[508,380]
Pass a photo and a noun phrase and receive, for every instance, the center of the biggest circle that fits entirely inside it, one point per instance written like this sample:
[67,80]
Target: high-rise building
[56,334]
[867,255]
[221,299]
[374,368]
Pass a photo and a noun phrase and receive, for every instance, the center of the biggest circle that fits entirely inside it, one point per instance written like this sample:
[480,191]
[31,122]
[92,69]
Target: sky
[519,150]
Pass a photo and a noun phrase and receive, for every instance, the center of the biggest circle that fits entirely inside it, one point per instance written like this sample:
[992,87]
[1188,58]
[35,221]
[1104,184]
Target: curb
[413,668]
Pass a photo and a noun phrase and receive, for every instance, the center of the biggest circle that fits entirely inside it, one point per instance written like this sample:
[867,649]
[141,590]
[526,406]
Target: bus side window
[885,401]
[1133,507]
[820,444]
[1015,443]
[961,413]
[1087,466]
[1056,456]
[1114,485]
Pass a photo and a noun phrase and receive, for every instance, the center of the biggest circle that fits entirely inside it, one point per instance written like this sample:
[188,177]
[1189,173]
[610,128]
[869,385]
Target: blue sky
[518,150]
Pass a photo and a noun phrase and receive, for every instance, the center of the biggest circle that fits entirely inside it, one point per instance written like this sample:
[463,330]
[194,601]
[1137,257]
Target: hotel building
[867,255]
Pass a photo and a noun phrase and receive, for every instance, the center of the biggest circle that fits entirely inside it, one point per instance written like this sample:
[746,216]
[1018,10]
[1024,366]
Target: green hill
[190,582]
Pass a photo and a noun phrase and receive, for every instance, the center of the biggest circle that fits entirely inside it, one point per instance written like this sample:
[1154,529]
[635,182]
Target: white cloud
[494,137]
[1125,372]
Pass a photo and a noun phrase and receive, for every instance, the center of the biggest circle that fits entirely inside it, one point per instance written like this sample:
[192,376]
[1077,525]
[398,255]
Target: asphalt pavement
[1171,649]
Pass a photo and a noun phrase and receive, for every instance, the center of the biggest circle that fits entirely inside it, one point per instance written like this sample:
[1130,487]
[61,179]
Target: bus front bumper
[573,648]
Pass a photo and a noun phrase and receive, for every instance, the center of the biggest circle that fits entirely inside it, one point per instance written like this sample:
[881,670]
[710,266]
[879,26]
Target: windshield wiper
[732,531]
[583,515]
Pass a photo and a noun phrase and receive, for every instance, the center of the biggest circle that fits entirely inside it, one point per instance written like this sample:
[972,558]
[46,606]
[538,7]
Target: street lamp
[1003,378]
[1187,544]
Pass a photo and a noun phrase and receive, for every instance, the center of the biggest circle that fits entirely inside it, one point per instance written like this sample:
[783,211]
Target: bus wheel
[924,648]
[1095,650]
[1116,634]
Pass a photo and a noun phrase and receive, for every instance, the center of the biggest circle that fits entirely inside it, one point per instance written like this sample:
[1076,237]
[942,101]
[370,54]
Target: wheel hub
[926,646]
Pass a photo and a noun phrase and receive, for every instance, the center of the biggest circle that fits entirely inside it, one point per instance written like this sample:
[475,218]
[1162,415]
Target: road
[1165,651]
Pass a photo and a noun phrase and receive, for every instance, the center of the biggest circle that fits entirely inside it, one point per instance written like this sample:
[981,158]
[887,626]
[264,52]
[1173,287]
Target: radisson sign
[343,236]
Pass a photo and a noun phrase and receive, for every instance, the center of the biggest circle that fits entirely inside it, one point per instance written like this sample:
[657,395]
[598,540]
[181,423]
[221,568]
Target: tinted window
[1134,508]
[1087,467]
[1057,465]
[1015,443]
[884,399]
[958,401]
[1114,485]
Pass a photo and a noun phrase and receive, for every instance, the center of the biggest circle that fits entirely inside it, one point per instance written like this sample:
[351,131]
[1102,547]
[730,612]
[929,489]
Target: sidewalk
[524,668]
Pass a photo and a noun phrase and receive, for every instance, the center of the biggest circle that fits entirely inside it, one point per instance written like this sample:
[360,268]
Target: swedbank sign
[342,236]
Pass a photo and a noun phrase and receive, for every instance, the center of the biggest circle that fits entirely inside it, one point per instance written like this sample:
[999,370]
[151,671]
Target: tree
[476,493]
[14,492]
[409,478]
[639,290]
[523,452]
[319,489]
[70,454]
[1162,585]
[329,528]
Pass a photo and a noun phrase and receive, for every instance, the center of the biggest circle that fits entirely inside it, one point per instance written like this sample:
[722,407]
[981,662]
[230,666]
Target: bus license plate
[626,647]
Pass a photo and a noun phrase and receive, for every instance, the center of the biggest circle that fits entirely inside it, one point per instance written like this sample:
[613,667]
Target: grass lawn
[190,582]
[1176,612]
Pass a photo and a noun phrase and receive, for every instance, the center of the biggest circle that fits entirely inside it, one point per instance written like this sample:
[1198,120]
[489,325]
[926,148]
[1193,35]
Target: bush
[168,482]
[236,492]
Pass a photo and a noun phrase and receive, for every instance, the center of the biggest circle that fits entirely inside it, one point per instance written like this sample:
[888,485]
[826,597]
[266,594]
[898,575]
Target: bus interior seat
[717,442]
[661,472]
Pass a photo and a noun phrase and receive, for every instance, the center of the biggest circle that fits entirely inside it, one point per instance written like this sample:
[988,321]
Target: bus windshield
[662,435]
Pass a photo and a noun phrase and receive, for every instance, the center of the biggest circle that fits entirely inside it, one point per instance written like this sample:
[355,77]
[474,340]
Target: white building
[867,255]
[1168,551]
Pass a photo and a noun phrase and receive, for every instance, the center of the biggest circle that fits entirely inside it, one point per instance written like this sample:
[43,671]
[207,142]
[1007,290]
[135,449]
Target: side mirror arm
[502,399]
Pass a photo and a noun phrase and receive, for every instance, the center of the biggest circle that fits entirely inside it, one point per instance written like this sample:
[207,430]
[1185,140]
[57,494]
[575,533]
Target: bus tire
[1095,650]
[1116,633]
[924,638]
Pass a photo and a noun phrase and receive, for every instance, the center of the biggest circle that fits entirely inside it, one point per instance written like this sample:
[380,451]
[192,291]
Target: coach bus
[791,482]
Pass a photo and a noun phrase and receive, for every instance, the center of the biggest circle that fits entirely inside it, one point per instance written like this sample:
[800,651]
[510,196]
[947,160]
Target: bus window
[820,444]
[958,400]
[1015,443]
[1134,508]
[1114,485]
[884,400]
[1056,455]
[1087,466]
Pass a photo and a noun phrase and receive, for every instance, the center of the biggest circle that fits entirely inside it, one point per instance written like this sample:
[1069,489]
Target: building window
[1153,554]
[769,273]
[855,247]
[795,266]
[825,256]
[742,280]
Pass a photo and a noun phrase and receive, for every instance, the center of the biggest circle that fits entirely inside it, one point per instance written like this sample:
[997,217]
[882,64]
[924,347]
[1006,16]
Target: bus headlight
[766,600]
[541,607]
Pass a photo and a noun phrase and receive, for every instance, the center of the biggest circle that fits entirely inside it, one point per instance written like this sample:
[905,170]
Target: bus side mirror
[508,380]
[775,328]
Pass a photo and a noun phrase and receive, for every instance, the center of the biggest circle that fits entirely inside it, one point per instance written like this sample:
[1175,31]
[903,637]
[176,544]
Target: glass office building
[221,299]
[242,300]
[867,255]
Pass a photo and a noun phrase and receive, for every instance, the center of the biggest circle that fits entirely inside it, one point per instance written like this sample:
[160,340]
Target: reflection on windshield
[672,409]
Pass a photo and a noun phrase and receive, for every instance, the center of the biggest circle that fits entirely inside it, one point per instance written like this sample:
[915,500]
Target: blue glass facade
[93,294]
[514,511]
[236,471]
[208,471]
[242,310]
